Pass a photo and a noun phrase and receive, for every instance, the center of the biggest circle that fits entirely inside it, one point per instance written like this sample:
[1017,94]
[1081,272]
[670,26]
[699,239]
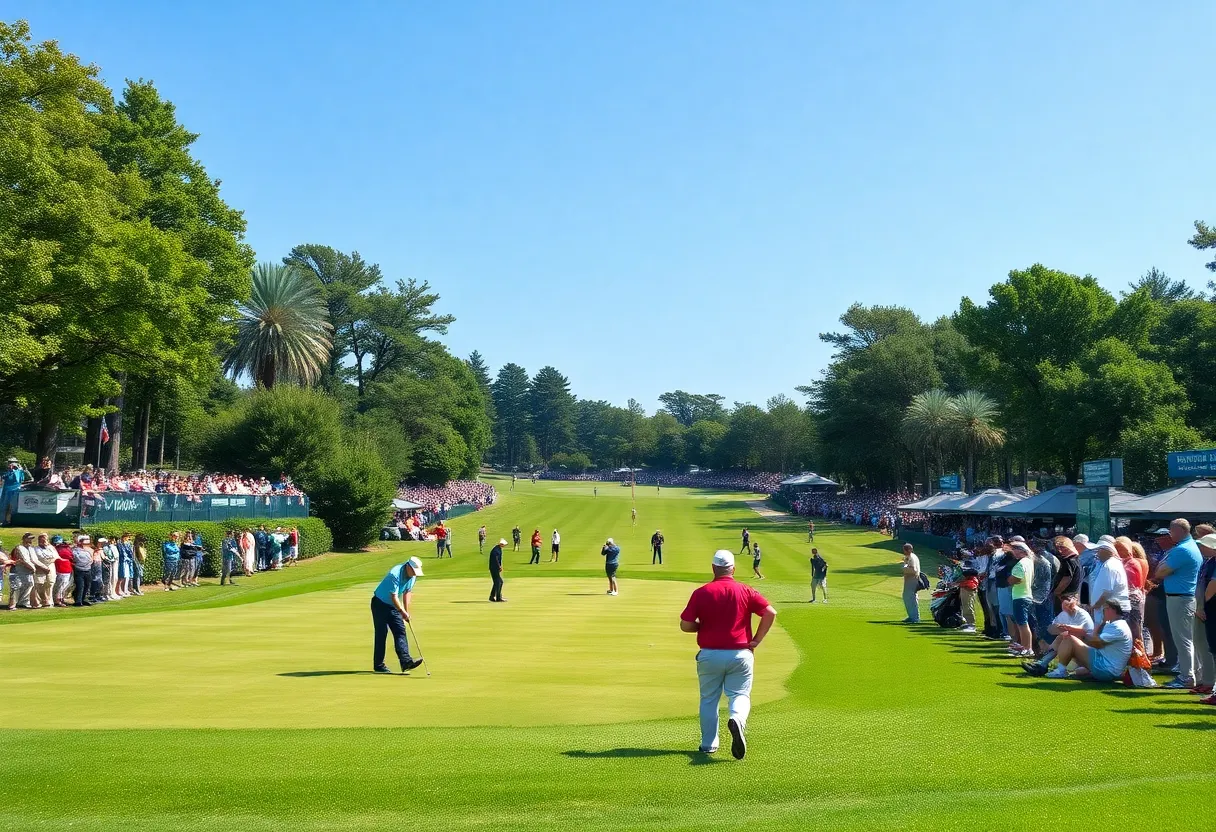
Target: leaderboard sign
[1184,464]
[950,482]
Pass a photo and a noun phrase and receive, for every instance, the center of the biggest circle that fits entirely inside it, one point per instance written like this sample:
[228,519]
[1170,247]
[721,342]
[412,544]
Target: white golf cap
[1081,540]
[1106,538]
[502,541]
[416,565]
[724,557]
[1108,546]
[610,540]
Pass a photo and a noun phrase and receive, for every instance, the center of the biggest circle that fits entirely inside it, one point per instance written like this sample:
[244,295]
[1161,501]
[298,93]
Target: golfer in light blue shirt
[391,612]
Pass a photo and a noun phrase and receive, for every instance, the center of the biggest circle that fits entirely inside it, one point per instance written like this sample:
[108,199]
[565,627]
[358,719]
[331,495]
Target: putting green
[559,652]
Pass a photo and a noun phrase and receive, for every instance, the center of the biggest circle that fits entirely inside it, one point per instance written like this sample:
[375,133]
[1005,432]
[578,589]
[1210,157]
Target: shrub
[315,539]
[290,429]
[439,455]
[353,494]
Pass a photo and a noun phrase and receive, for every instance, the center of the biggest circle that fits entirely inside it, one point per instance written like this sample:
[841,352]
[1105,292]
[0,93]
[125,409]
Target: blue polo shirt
[1185,560]
[394,583]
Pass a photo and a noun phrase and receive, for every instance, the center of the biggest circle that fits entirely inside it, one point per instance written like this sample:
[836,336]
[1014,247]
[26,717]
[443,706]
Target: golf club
[425,664]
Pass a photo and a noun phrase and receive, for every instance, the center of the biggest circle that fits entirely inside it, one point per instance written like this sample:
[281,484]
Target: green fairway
[249,709]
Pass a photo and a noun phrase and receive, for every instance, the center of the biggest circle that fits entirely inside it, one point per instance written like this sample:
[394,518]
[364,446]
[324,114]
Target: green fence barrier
[187,508]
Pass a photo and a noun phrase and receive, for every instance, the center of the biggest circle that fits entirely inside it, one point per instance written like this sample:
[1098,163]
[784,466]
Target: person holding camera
[15,476]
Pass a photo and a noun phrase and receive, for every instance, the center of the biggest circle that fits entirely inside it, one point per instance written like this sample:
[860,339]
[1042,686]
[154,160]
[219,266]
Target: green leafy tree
[353,493]
[512,404]
[669,441]
[688,408]
[743,445]
[551,412]
[1162,288]
[701,442]
[574,463]
[282,333]
[1204,239]
[789,433]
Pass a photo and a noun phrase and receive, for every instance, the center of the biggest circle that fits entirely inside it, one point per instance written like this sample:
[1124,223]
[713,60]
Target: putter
[425,664]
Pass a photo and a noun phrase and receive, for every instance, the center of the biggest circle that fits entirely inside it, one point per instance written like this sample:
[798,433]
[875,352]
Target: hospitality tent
[988,501]
[808,478]
[931,503]
[1059,502]
[405,505]
[1195,499]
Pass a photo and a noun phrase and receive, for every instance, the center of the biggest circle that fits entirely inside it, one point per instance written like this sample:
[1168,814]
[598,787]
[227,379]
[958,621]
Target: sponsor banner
[46,502]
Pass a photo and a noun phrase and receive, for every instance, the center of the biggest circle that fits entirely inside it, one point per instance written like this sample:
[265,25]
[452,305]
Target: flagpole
[100,430]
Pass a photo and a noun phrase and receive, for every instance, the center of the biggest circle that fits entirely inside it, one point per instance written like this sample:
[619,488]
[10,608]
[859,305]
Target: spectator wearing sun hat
[1109,581]
[720,613]
[1205,614]
[23,566]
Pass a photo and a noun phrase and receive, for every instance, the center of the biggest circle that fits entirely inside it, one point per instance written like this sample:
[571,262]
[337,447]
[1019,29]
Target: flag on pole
[633,484]
[105,431]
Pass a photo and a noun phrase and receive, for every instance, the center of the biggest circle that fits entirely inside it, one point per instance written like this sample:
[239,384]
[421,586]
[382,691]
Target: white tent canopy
[931,503]
[405,505]
[808,478]
[1059,502]
[1195,499]
[988,501]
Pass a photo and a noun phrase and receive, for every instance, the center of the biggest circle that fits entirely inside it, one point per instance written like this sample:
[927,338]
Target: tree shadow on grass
[1190,726]
[695,758]
[1135,693]
[1163,711]
[1050,684]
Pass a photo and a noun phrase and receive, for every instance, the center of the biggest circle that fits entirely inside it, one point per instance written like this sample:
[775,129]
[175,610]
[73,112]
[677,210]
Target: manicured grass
[549,713]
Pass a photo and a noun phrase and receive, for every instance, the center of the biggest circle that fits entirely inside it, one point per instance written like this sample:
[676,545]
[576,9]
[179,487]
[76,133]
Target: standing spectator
[756,562]
[993,589]
[747,542]
[535,548]
[1021,580]
[1205,669]
[21,573]
[172,552]
[139,549]
[44,571]
[1108,581]
[1136,569]
[968,588]
[126,564]
[819,575]
[261,542]
[10,492]
[1179,573]
[1207,581]
[1005,561]
[293,545]
[720,613]
[1068,579]
[516,537]
[231,551]
[249,551]
[277,539]
[612,561]
[555,547]
[656,547]
[1040,595]
[63,571]
[109,569]
[97,586]
[481,539]
[911,573]
[810,531]
[82,571]
[441,535]
[979,563]
[496,570]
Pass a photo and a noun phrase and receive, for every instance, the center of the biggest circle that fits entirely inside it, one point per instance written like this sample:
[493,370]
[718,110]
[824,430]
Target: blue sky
[660,195]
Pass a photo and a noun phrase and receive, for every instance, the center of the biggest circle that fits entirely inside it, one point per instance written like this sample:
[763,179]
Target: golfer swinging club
[391,611]
[720,613]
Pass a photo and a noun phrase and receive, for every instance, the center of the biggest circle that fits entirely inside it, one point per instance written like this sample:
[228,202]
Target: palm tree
[928,425]
[974,430]
[282,330]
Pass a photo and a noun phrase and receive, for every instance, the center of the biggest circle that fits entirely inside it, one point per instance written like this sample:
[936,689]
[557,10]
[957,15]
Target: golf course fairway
[251,708]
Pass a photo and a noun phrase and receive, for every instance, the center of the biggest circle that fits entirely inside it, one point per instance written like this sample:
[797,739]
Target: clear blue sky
[657,195]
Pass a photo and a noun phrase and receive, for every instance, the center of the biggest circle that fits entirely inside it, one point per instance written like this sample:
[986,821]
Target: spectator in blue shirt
[14,476]
[612,561]
[172,555]
[1178,573]
[391,611]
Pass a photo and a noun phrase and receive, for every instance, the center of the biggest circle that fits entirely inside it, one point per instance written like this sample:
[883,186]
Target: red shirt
[63,564]
[1137,571]
[725,608]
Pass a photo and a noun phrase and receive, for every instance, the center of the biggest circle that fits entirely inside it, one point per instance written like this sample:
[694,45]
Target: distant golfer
[819,575]
[810,531]
[635,516]
[481,540]
[595,492]
[390,612]
[656,548]
[496,572]
[555,547]
[535,547]
[612,561]
[747,543]
[756,562]
[720,613]
[516,536]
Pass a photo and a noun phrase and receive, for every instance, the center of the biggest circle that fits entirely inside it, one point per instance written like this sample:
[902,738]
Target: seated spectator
[1073,620]
[1103,656]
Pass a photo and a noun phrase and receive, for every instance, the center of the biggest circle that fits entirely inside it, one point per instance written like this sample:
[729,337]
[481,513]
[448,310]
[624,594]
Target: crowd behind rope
[876,509]
[1109,610]
[436,503]
[45,570]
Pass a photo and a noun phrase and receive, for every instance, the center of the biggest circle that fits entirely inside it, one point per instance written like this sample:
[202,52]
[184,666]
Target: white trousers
[719,672]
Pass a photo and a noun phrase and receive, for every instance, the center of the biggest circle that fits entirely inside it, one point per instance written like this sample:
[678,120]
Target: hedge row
[315,539]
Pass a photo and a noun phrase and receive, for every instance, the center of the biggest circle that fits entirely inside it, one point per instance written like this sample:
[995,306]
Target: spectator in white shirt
[1103,656]
[1109,581]
[1073,620]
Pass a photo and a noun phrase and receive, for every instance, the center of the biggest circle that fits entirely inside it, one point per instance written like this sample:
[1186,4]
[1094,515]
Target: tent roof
[1061,501]
[405,505]
[931,502]
[988,501]
[808,478]
[1193,499]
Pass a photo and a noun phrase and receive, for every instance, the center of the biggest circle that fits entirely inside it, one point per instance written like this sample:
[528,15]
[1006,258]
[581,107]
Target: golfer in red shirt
[720,613]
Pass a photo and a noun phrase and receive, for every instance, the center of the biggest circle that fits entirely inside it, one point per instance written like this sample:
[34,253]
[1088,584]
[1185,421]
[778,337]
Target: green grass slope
[880,726]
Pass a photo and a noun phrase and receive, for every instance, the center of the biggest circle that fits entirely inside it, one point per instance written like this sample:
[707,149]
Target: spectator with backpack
[911,573]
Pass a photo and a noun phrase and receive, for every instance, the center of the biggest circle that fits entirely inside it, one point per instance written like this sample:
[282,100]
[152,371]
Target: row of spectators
[876,509]
[439,501]
[1107,610]
[758,482]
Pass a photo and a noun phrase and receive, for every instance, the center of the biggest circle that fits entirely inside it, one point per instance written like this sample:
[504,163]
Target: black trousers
[990,625]
[496,587]
[657,555]
[226,575]
[387,619]
[82,581]
[535,557]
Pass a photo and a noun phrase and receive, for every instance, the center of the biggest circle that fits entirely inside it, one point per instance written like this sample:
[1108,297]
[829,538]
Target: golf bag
[946,607]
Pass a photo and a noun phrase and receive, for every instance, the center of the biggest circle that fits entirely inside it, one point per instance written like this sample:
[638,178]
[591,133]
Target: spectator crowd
[877,509]
[758,482]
